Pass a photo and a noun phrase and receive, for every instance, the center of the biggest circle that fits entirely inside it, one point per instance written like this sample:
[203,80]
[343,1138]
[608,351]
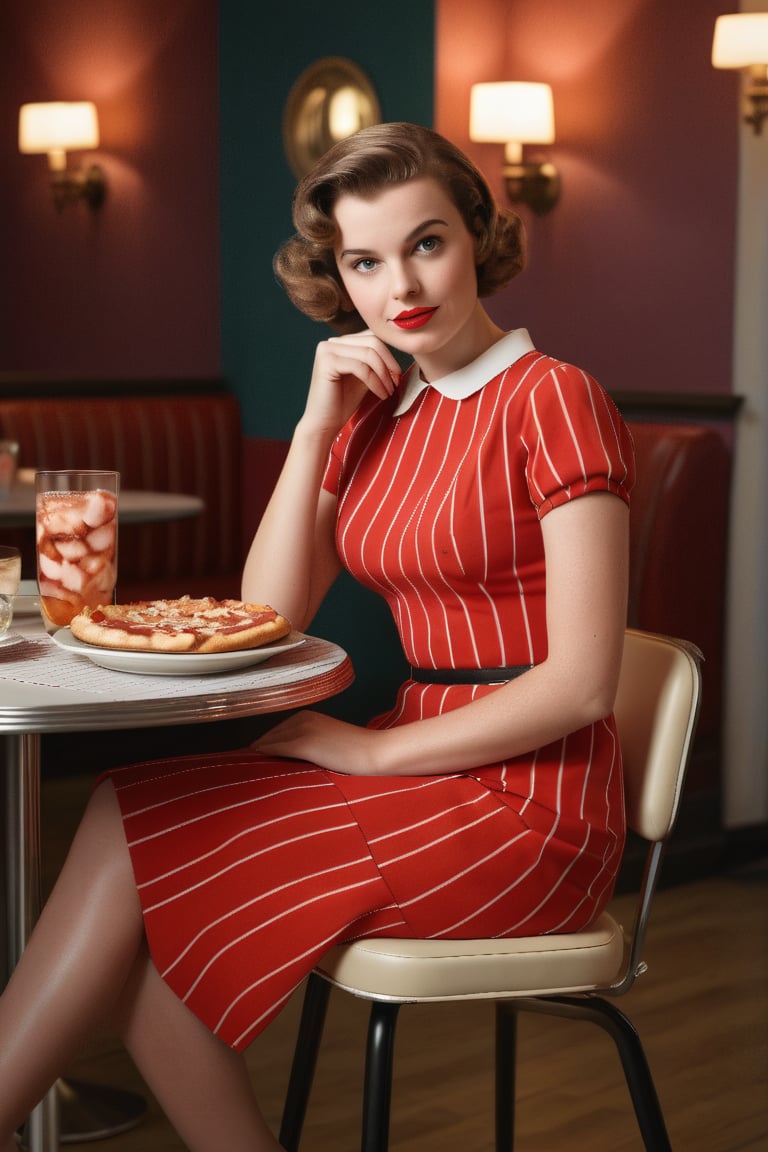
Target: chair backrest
[656,711]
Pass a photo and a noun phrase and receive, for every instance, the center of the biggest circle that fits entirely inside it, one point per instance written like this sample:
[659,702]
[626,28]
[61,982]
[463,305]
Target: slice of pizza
[185,625]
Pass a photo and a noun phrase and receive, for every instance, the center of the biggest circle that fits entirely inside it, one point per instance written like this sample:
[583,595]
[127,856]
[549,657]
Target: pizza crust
[185,625]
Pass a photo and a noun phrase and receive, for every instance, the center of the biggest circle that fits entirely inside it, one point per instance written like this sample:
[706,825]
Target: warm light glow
[57,128]
[512,111]
[343,113]
[740,40]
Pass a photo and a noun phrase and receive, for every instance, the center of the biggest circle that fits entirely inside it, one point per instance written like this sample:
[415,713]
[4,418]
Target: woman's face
[407,262]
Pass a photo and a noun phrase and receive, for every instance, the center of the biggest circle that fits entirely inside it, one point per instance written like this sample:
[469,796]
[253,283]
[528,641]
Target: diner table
[45,688]
[135,506]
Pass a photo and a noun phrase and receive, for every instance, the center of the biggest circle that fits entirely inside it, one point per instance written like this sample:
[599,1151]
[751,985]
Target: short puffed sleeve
[577,441]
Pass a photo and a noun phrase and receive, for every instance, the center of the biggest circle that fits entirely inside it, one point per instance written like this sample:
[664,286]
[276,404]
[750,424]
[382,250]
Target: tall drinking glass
[10,575]
[76,526]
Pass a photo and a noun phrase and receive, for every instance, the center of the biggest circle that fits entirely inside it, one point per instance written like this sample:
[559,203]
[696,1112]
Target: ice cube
[72,577]
[92,563]
[99,539]
[99,508]
[47,547]
[60,524]
[49,567]
[71,549]
[62,514]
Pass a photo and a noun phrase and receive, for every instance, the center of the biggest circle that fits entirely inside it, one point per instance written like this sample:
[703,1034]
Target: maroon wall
[631,275]
[132,291]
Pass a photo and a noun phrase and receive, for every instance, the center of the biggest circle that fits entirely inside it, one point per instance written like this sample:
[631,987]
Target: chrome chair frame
[656,711]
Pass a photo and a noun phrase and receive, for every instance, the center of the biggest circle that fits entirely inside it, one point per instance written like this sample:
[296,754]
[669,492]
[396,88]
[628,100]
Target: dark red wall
[134,290]
[631,275]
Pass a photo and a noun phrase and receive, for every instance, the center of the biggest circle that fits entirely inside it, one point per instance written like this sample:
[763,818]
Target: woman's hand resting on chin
[345,368]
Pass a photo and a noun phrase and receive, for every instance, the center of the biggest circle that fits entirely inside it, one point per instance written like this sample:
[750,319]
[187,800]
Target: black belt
[468,675]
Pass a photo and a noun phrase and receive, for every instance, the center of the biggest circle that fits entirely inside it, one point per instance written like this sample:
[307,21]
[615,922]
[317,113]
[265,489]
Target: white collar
[472,377]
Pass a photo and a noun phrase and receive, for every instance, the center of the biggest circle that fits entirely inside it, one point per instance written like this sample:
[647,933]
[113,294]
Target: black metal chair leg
[304,1061]
[642,1089]
[377,1091]
[506,1050]
[637,1073]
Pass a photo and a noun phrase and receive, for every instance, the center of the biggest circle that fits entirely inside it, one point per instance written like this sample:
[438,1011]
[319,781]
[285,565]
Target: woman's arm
[586,547]
[292,561]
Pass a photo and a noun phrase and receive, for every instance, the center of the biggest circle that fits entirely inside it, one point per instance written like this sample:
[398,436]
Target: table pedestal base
[87,1112]
[72,1112]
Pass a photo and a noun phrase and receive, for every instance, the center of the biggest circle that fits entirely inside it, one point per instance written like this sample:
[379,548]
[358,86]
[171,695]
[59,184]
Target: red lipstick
[414,317]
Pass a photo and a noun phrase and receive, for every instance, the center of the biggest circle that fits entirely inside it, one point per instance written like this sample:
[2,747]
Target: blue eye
[429,244]
[367,264]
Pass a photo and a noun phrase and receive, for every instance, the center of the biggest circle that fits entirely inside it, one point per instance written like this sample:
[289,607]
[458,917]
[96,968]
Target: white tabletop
[135,506]
[46,689]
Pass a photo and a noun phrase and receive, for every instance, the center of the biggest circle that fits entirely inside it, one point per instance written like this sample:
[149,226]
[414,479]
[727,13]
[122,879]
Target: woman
[484,494]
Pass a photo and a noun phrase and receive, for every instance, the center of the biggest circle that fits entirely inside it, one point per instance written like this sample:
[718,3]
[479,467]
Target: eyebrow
[408,239]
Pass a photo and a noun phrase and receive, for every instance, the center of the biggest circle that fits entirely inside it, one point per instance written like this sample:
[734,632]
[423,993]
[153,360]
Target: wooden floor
[701,1011]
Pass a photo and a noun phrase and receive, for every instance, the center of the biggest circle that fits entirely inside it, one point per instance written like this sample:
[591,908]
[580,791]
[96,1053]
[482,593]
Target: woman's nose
[404,282]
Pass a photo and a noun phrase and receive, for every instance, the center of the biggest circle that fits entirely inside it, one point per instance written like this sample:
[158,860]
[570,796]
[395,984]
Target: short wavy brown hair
[361,165]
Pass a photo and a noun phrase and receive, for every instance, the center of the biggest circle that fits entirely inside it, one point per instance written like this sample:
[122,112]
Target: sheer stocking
[85,957]
[202,1084]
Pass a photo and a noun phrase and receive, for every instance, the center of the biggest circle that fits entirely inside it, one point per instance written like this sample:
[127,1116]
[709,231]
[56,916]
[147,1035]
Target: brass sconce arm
[86,184]
[756,96]
[534,184]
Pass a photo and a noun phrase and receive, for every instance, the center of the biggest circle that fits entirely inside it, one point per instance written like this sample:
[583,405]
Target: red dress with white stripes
[250,868]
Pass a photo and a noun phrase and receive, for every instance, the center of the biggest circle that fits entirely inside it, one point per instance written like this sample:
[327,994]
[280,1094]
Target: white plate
[173,663]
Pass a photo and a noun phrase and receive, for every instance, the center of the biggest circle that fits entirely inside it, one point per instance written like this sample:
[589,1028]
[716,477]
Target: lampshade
[512,110]
[740,40]
[58,127]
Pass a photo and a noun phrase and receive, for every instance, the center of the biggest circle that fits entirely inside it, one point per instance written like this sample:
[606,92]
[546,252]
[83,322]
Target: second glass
[10,575]
[76,531]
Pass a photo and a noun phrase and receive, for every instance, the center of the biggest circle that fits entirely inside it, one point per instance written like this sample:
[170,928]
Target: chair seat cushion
[424,970]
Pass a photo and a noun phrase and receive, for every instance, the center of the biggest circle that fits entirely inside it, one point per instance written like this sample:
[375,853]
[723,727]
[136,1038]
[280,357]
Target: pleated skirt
[250,868]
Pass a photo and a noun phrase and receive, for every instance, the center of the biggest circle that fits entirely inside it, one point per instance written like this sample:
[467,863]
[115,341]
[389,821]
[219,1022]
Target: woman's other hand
[325,741]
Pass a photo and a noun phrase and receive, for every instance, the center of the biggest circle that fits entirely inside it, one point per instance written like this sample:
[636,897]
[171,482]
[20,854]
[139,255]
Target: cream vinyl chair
[566,975]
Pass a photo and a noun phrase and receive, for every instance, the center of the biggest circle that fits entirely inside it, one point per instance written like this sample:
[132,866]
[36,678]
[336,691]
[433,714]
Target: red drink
[76,550]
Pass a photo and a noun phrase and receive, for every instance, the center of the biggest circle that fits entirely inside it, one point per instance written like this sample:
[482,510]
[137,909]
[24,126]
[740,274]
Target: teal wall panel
[267,346]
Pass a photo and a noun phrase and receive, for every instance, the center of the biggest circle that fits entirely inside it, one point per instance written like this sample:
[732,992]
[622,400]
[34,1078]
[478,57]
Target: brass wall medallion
[331,100]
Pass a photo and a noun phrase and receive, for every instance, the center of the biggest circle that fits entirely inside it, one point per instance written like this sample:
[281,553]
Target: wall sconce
[56,129]
[514,114]
[741,41]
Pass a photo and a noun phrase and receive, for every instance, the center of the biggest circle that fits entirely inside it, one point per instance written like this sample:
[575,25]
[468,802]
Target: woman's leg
[78,958]
[85,957]
[201,1083]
